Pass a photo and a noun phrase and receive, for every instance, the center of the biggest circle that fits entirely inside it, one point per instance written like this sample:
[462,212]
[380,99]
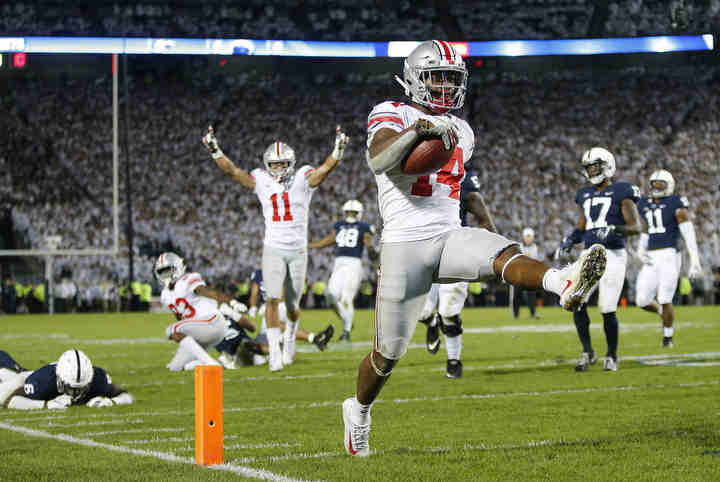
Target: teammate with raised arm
[72,380]
[203,313]
[351,238]
[666,217]
[285,198]
[607,214]
[449,298]
[422,240]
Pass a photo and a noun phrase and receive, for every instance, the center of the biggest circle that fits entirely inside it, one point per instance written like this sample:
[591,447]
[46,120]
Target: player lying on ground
[666,218]
[422,240]
[285,199]
[72,380]
[351,238]
[201,312]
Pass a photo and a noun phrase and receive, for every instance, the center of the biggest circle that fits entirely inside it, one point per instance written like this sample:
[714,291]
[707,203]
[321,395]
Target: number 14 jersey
[415,207]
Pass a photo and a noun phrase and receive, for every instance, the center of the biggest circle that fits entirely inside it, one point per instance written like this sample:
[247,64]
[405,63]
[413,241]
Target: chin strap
[403,84]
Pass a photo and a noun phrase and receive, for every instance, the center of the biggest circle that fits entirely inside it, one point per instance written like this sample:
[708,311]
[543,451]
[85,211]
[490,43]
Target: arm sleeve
[688,233]
[643,243]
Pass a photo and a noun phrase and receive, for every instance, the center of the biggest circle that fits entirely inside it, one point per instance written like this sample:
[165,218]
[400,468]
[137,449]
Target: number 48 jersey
[603,208]
[660,216]
[349,238]
[419,207]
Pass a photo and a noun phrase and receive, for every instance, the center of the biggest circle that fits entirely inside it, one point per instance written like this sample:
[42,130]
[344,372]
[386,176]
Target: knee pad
[451,326]
[384,367]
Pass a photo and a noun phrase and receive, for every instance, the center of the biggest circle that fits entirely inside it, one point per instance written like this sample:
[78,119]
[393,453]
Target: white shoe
[275,359]
[610,364]
[259,359]
[357,437]
[227,361]
[288,353]
[582,277]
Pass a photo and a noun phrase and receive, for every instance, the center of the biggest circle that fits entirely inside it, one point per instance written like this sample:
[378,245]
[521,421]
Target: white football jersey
[285,207]
[183,301]
[419,207]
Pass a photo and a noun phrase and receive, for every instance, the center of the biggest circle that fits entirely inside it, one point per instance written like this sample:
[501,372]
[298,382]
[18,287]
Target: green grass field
[519,413]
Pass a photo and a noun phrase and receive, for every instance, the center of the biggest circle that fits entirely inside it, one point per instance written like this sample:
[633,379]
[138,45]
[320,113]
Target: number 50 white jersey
[285,207]
[419,207]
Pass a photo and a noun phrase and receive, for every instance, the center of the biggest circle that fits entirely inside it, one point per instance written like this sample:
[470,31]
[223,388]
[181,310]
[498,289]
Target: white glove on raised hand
[59,402]
[695,271]
[341,142]
[211,144]
[430,126]
[99,402]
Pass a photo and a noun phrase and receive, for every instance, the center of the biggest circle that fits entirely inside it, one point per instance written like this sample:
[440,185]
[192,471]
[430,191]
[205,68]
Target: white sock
[668,332]
[660,310]
[198,352]
[289,333]
[273,336]
[453,345]
[311,337]
[191,365]
[346,311]
[360,413]
[553,282]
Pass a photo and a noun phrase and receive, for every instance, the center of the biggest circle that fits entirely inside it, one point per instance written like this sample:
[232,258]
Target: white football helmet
[279,152]
[169,268]
[662,184]
[528,233]
[435,76]
[74,372]
[598,164]
[352,206]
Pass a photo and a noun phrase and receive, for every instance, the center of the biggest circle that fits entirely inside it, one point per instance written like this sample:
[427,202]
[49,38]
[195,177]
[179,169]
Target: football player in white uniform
[422,240]
[285,198]
[351,238]
[666,218]
[201,312]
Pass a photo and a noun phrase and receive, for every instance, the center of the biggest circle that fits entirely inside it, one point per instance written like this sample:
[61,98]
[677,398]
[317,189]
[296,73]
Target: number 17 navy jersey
[602,208]
[659,214]
[349,238]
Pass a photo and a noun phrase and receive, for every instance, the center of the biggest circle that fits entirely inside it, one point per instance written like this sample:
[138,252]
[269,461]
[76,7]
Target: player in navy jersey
[351,238]
[607,215]
[72,380]
[449,299]
[666,217]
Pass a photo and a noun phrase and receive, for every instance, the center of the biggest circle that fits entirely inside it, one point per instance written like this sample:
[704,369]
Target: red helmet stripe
[448,51]
[277,148]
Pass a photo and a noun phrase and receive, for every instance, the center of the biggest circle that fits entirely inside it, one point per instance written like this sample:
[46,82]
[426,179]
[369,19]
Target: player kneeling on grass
[201,322]
[72,380]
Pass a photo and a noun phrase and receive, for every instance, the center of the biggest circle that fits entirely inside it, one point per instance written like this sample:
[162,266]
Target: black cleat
[345,336]
[321,339]
[667,342]
[432,338]
[454,369]
[586,359]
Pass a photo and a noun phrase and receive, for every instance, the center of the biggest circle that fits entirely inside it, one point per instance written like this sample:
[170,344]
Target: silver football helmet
[435,76]
[169,268]
[598,164]
[74,372]
[662,184]
[275,153]
[350,207]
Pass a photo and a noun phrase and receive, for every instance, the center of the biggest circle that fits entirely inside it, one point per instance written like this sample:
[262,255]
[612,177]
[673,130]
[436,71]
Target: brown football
[427,157]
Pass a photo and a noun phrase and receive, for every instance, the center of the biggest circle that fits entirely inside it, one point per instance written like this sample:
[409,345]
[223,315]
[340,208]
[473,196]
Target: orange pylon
[208,415]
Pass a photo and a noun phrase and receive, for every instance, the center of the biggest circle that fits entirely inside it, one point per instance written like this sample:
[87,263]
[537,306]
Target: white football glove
[253,312]
[341,142]
[238,307]
[430,126]
[59,402]
[645,259]
[695,271]
[228,312]
[99,402]
[211,144]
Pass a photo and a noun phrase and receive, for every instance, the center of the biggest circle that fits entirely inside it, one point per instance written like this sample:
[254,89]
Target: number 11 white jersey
[419,207]
[285,207]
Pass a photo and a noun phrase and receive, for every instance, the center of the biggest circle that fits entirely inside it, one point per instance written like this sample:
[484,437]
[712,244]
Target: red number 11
[286,203]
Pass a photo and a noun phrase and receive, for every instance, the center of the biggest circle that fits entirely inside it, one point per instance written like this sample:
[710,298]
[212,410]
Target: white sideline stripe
[138,430]
[331,403]
[158,440]
[569,327]
[270,445]
[86,423]
[168,457]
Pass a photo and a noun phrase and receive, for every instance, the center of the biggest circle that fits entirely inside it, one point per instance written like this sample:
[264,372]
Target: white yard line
[168,457]
[138,430]
[158,440]
[269,445]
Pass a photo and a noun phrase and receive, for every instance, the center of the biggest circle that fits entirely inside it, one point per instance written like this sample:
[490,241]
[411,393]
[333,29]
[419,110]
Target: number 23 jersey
[419,207]
[182,300]
[285,207]
[603,208]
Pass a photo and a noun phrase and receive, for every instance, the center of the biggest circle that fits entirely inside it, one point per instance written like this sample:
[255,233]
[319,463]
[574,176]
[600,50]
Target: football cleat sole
[589,268]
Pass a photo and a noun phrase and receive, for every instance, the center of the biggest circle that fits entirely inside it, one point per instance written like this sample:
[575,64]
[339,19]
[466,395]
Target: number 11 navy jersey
[349,238]
[603,208]
[659,214]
